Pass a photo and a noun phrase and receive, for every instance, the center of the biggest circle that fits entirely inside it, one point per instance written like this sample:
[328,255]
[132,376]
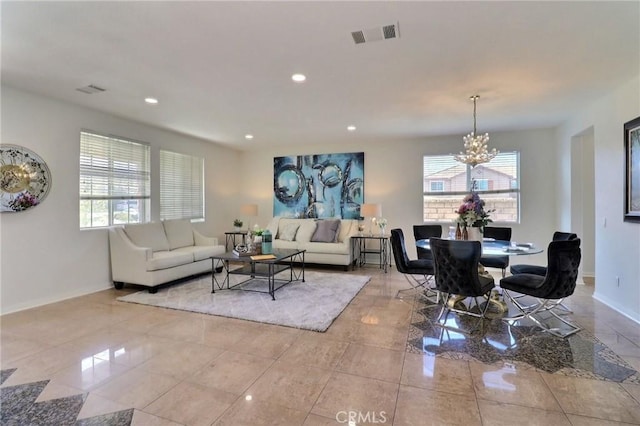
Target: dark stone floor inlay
[119,418]
[18,407]
[522,343]
[4,374]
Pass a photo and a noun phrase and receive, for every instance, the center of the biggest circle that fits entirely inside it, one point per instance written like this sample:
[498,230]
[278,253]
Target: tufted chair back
[399,251]
[563,260]
[563,236]
[456,265]
[424,232]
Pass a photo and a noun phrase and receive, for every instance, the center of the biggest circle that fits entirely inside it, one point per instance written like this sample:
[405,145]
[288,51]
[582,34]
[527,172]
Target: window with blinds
[446,182]
[114,181]
[181,186]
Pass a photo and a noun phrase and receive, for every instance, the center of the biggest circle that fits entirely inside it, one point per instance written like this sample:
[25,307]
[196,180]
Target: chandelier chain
[477,151]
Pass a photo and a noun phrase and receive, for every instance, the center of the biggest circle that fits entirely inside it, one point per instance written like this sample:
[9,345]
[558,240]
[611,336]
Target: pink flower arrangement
[472,213]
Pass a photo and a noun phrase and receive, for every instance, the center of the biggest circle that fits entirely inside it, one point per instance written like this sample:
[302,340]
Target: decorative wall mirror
[25,179]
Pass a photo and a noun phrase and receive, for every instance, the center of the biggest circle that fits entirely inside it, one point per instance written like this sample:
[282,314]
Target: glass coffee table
[259,268]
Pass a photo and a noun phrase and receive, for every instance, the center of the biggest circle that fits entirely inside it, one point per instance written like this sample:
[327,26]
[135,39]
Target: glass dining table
[491,247]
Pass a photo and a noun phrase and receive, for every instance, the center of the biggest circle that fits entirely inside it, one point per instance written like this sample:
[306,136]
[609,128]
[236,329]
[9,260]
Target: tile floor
[93,361]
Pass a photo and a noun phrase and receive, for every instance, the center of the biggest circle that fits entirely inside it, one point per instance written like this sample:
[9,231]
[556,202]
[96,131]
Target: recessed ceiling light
[248,136]
[298,78]
[151,100]
[351,128]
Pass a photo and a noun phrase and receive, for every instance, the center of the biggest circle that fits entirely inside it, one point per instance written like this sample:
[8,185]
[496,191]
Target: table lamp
[372,211]
[249,210]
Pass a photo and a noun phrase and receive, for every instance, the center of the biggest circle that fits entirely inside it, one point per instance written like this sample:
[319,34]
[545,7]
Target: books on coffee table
[263,257]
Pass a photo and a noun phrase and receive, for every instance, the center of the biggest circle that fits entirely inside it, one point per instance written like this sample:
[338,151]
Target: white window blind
[181,186]
[114,181]
[497,182]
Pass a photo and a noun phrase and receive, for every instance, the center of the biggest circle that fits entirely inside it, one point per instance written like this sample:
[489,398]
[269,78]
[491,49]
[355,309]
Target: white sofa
[291,233]
[155,253]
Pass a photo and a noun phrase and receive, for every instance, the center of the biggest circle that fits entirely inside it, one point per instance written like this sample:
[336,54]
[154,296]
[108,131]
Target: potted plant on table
[237,224]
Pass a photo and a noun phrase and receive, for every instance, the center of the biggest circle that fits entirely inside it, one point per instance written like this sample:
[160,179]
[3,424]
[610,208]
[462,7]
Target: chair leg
[429,293]
[545,305]
[453,307]
[560,306]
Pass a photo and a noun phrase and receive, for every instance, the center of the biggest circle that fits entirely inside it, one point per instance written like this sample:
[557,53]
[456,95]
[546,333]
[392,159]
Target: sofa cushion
[326,231]
[168,259]
[347,228]
[288,231]
[149,235]
[201,252]
[273,226]
[179,233]
[326,248]
[305,231]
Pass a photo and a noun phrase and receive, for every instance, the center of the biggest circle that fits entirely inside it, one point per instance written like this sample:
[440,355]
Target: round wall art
[25,179]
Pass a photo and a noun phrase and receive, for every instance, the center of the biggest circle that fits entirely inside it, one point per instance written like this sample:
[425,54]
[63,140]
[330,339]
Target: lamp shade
[370,210]
[249,210]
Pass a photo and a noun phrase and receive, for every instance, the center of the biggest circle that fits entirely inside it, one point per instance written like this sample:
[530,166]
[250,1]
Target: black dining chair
[500,262]
[456,276]
[541,270]
[424,232]
[418,272]
[563,261]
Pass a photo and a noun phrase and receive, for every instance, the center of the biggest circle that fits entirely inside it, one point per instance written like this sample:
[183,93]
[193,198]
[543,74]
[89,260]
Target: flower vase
[382,228]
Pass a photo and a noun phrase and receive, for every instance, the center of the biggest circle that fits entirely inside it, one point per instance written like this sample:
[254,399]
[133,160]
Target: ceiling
[223,69]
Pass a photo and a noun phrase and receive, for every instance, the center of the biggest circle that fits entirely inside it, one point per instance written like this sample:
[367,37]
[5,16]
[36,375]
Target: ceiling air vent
[376,34]
[90,89]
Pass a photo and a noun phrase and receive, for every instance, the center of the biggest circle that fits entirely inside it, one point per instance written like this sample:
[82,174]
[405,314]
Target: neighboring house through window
[114,181]
[437,186]
[446,182]
[181,186]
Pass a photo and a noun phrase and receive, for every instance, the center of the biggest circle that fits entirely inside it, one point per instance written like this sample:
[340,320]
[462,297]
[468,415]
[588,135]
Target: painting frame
[318,186]
[632,170]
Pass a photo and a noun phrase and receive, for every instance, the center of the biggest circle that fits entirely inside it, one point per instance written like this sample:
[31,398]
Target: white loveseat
[299,234]
[155,253]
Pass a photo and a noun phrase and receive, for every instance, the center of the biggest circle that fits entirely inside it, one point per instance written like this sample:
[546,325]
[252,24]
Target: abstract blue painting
[319,186]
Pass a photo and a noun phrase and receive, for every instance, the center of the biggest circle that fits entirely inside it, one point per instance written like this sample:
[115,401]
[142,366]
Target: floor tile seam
[307,364]
[633,398]
[397,384]
[67,364]
[158,416]
[560,410]
[440,391]
[96,386]
[555,396]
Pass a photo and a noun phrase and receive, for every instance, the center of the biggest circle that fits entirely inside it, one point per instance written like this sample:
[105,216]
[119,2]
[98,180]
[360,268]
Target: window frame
[468,180]
[107,165]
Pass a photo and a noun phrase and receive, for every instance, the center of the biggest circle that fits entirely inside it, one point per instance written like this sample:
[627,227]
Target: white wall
[617,245]
[44,255]
[393,178]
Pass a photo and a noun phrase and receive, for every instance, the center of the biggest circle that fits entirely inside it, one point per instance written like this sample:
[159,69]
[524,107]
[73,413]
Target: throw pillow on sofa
[326,231]
[149,235]
[288,231]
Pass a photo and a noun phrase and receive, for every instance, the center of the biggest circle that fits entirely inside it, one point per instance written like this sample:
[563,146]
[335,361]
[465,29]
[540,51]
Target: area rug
[310,305]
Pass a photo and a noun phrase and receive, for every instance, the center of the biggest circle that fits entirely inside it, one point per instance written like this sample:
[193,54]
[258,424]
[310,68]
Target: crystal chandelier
[476,145]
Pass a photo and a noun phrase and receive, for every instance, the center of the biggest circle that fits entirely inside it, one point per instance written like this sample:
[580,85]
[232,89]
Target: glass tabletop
[491,247]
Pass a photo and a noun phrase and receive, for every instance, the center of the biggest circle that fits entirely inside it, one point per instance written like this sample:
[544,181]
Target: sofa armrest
[127,259]
[201,240]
